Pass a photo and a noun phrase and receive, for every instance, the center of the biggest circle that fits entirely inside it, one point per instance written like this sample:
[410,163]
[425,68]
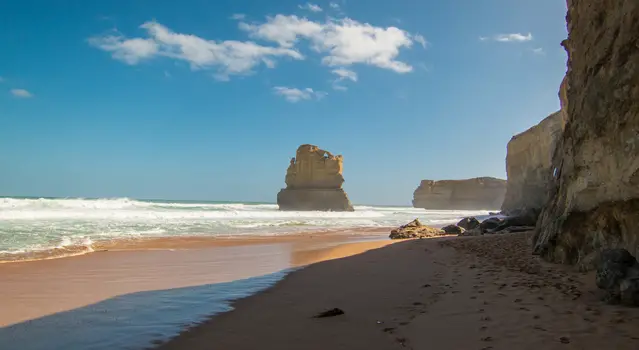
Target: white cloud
[539,51]
[334,5]
[311,7]
[338,87]
[130,51]
[420,39]
[343,74]
[21,93]
[296,95]
[283,30]
[344,42]
[228,57]
[509,38]
[340,43]
[238,16]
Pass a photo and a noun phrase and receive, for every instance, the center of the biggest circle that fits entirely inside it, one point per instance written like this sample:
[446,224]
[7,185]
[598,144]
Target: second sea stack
[475,193]
[314,182]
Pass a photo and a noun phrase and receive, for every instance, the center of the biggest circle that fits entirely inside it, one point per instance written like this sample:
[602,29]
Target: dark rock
[453,229]
[474,232]
[490,224]
[330,313]
[513,229]
[618,275]
[468,223]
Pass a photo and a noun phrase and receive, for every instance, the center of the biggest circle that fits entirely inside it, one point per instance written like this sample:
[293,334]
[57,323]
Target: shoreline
[41,289]
[183,242]
[420,294]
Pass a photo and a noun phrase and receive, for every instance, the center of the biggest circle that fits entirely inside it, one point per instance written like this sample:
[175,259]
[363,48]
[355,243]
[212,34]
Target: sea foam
[40,224]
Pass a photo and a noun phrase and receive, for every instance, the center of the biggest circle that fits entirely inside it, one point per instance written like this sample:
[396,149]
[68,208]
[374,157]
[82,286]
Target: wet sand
[34,289]
[445,293]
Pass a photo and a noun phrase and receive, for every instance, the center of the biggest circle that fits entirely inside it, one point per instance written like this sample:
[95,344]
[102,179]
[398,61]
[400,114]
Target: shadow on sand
[131,321]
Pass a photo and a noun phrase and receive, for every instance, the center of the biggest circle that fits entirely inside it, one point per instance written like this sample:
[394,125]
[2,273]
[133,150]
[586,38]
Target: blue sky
[209,99]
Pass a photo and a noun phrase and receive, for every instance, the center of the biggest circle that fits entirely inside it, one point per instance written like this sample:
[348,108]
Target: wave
[56,224]
[120,203]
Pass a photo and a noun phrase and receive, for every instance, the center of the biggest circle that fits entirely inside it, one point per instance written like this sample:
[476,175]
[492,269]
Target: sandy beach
[445,293]
[34,289]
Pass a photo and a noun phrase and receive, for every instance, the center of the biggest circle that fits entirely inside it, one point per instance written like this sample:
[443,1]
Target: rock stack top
[314,168]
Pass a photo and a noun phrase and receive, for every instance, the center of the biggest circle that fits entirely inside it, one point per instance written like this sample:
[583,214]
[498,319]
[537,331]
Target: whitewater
[41,224]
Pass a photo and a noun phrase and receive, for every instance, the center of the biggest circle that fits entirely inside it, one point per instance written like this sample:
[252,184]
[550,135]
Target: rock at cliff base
[618,275]
[527,218]
[473,232]
[415,229]
[453,230]
[490,224]
[314,182]
[468,223]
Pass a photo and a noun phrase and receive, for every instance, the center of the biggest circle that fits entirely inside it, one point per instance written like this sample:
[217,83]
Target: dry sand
[450,293]
[34,289]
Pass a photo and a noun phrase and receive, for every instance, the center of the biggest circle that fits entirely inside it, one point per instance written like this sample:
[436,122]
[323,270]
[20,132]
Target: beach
[149,290]
[128,273]
[262,289]
[444,293]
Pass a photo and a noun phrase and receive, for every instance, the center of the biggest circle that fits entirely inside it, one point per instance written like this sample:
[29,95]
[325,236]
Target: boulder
[468,223]
[490,224]
[618,275]
[594,199]
[473,232]
[526,218]
[415,229]
[314,182]
[453,230]
[476,193]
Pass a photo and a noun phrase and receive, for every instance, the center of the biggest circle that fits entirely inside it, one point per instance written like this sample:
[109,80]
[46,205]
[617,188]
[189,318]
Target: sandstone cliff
[594,201]
[476,193]
[314,182]
[528,164]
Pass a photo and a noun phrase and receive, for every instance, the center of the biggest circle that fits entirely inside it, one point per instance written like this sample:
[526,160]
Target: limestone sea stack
[314,182]
[475,193]
[528,165]
[594,200]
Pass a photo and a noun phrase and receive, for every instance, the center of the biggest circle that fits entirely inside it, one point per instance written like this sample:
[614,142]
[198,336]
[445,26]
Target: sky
[208,100]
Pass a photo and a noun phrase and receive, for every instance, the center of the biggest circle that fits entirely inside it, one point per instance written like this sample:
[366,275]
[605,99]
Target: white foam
[45,223]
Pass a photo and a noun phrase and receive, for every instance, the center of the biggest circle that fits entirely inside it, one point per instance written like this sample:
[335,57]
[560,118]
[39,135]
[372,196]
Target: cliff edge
[528,164]
[594,201]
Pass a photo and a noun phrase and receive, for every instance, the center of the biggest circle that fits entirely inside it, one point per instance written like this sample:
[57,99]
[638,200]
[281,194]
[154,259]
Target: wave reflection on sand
[131,321]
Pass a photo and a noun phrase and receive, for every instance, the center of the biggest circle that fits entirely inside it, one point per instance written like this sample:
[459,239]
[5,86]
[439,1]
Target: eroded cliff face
[476,193]
[528,164]
[314,182]
[595,199]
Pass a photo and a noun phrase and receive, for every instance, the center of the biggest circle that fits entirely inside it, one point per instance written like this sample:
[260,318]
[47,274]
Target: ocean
[32,225]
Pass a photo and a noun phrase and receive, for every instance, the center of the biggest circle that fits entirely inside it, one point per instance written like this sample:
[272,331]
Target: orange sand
[37,288]
[450,293]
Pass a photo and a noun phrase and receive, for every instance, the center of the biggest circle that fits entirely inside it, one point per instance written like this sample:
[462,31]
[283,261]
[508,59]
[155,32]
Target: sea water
[30,225]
